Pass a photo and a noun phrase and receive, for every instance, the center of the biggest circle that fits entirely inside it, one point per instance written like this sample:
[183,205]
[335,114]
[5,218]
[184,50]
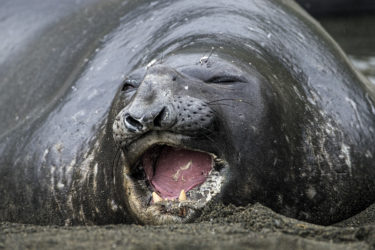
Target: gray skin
[292,118]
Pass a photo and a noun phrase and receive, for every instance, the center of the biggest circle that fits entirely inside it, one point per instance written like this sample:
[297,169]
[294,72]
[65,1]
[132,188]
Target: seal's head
[184,129]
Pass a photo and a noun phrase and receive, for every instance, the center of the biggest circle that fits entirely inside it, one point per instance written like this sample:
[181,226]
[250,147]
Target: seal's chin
[168,183]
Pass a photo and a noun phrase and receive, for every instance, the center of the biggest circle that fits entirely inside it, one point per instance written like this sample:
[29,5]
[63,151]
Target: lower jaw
[145,211]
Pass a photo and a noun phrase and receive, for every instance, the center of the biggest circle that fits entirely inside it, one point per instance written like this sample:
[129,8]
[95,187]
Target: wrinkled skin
[253,132]
[207,105]
[294,121]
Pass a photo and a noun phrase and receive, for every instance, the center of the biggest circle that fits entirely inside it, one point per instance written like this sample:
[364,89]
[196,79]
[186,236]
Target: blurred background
[352,25]
[338,7]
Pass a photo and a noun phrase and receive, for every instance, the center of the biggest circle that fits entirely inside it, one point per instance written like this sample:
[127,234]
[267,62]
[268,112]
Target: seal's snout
[163,102]
[155,119]
[132,124]
[171,168]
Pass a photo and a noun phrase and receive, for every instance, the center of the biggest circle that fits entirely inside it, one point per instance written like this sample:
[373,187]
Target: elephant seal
[233,102]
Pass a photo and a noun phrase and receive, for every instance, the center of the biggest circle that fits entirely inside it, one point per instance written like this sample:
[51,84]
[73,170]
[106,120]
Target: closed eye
[225,79]
[129,85]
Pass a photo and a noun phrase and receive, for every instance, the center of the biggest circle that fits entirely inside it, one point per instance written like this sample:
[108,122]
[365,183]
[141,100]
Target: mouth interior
[170,170]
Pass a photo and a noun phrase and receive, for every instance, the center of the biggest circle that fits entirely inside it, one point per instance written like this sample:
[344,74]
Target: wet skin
[271,159]
[204,106]
[290,117]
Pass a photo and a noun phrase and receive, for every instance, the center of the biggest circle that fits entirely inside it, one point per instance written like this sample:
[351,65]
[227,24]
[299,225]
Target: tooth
[182,212]
[182,196]
[156,198]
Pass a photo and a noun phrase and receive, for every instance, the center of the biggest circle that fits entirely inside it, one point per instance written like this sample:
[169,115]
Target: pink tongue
[177,169]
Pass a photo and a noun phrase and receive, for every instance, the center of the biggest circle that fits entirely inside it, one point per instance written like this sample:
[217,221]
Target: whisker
[212,50]
[206,129]
[229,99]
[222,104]
[205,59]
[225,88]
[209,138]
[216,113]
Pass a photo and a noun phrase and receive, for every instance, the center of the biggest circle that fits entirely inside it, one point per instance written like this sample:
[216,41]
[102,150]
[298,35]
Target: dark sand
[253,227]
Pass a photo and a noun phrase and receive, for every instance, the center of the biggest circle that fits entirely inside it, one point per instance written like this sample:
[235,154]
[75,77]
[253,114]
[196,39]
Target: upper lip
[137,147]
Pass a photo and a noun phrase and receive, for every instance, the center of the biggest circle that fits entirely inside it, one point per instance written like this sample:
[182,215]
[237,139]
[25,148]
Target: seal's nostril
[132,124]
[160,117]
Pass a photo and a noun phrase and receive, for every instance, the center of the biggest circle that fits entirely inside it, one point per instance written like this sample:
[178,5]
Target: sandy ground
[252,227]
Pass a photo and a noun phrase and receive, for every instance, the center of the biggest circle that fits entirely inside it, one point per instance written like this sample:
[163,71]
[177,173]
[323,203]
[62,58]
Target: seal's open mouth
[168,184]
[172,171]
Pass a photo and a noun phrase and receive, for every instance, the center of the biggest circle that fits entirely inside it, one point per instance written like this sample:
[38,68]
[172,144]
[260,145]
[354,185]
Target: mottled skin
[296,123]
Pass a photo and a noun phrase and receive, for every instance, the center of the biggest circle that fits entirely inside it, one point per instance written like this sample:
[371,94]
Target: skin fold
[290,116]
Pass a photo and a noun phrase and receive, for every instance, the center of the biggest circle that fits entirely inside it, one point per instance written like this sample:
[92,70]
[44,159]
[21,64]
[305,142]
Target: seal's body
[232,102]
